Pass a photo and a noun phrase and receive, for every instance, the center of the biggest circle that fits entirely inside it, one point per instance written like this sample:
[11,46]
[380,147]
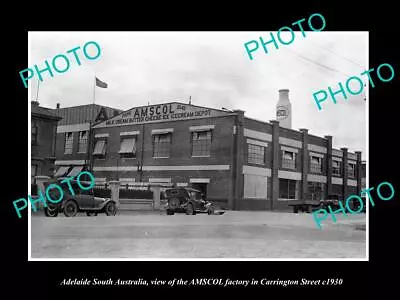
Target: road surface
[236,234]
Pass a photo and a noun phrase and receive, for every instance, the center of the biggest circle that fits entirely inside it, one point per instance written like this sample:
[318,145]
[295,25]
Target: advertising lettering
[159,113]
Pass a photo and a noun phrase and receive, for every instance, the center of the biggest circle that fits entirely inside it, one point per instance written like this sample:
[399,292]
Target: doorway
[201,187]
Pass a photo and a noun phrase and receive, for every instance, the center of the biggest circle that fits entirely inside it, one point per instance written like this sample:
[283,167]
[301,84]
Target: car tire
[190,209]
[51,212]
[295,209]
[110,209]
[70,208]
[170,212]
[90,213]
[211,210]
[174,203]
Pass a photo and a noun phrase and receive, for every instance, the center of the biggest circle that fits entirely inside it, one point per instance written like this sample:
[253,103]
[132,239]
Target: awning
[100,147]
[128,145]
[75,171]
[61,171]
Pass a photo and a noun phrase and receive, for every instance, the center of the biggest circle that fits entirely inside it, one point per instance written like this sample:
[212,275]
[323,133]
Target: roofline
[51,117]
[163,103]
[86,105]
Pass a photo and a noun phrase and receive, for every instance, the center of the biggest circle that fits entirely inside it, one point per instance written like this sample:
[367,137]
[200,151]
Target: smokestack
[58,105]
[284,109]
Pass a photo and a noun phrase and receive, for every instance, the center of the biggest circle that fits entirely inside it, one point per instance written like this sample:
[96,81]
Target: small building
[238,162]
[43,148]
[73,134]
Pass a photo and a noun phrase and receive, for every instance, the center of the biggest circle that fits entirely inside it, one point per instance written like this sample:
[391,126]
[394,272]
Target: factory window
[83,141]
[201,143]
[336,168]
[288,160]
[255,154]
[315,191]
[100,148]
[34,132]
[69,142]
[315,164]
[161,145]
[352,170]
[128,147]
[287,189]
[34,172]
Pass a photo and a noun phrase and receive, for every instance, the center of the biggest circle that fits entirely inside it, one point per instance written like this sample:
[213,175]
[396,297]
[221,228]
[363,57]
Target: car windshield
[195,195]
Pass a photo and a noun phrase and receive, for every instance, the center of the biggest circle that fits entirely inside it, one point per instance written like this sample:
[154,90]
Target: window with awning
[75,171]
[336,168]
[315,164]
[161,144]
[100,147]
[128,147]
[201,143]
[69,142]
[61,171]
[288,159]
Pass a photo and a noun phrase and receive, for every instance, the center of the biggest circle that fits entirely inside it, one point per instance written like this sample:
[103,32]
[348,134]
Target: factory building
[238,162]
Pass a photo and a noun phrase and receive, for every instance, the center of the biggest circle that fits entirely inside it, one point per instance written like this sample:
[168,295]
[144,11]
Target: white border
[367,152]
[196,259]
[29,151]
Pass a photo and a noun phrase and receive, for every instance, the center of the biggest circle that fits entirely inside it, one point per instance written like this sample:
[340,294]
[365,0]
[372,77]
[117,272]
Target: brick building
[43,132]
[72,137]
[239,162]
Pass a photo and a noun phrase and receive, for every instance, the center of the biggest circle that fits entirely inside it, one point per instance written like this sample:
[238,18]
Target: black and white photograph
[182,146]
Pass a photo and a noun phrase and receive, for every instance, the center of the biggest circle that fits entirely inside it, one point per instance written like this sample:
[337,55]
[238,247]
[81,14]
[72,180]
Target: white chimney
[284,109]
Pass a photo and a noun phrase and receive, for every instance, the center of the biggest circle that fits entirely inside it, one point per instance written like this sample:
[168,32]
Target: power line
[317,63]
[322,65]
[337,54]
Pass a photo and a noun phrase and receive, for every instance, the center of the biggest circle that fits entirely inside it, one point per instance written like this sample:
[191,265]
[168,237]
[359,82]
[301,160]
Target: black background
[41,279]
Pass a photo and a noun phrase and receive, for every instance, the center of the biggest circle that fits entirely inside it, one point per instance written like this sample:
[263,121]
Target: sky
[215,70]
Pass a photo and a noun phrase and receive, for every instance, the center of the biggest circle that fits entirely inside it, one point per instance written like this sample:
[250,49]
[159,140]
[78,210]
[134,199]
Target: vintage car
[333,201]
[82,201]
[189,201]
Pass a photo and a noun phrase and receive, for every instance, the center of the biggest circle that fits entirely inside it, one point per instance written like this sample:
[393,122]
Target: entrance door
[201,187]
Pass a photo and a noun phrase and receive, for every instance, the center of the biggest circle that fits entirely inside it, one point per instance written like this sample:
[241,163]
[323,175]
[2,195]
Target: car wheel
[170,212]
[51,212]
[90,213]
[70,208]
[110,209]
[190,209]
[211,210]
[295,209]
[174,203]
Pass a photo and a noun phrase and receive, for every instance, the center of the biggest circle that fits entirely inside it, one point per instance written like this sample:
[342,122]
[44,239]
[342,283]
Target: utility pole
[140,165]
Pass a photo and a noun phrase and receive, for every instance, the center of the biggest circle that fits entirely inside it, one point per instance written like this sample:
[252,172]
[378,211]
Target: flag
[101,84]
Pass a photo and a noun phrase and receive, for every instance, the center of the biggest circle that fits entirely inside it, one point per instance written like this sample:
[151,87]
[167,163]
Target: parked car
[82,201]
[187,200]
[330,200]
[355,205]
[333,202]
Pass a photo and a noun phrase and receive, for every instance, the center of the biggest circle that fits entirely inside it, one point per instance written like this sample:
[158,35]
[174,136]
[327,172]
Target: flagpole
[91,140]
[37,90]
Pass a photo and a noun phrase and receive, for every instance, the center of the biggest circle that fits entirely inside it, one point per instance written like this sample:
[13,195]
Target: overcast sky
[213,68]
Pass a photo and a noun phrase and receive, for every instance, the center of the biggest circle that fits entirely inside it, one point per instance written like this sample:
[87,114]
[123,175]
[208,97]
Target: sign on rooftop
[161,113]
